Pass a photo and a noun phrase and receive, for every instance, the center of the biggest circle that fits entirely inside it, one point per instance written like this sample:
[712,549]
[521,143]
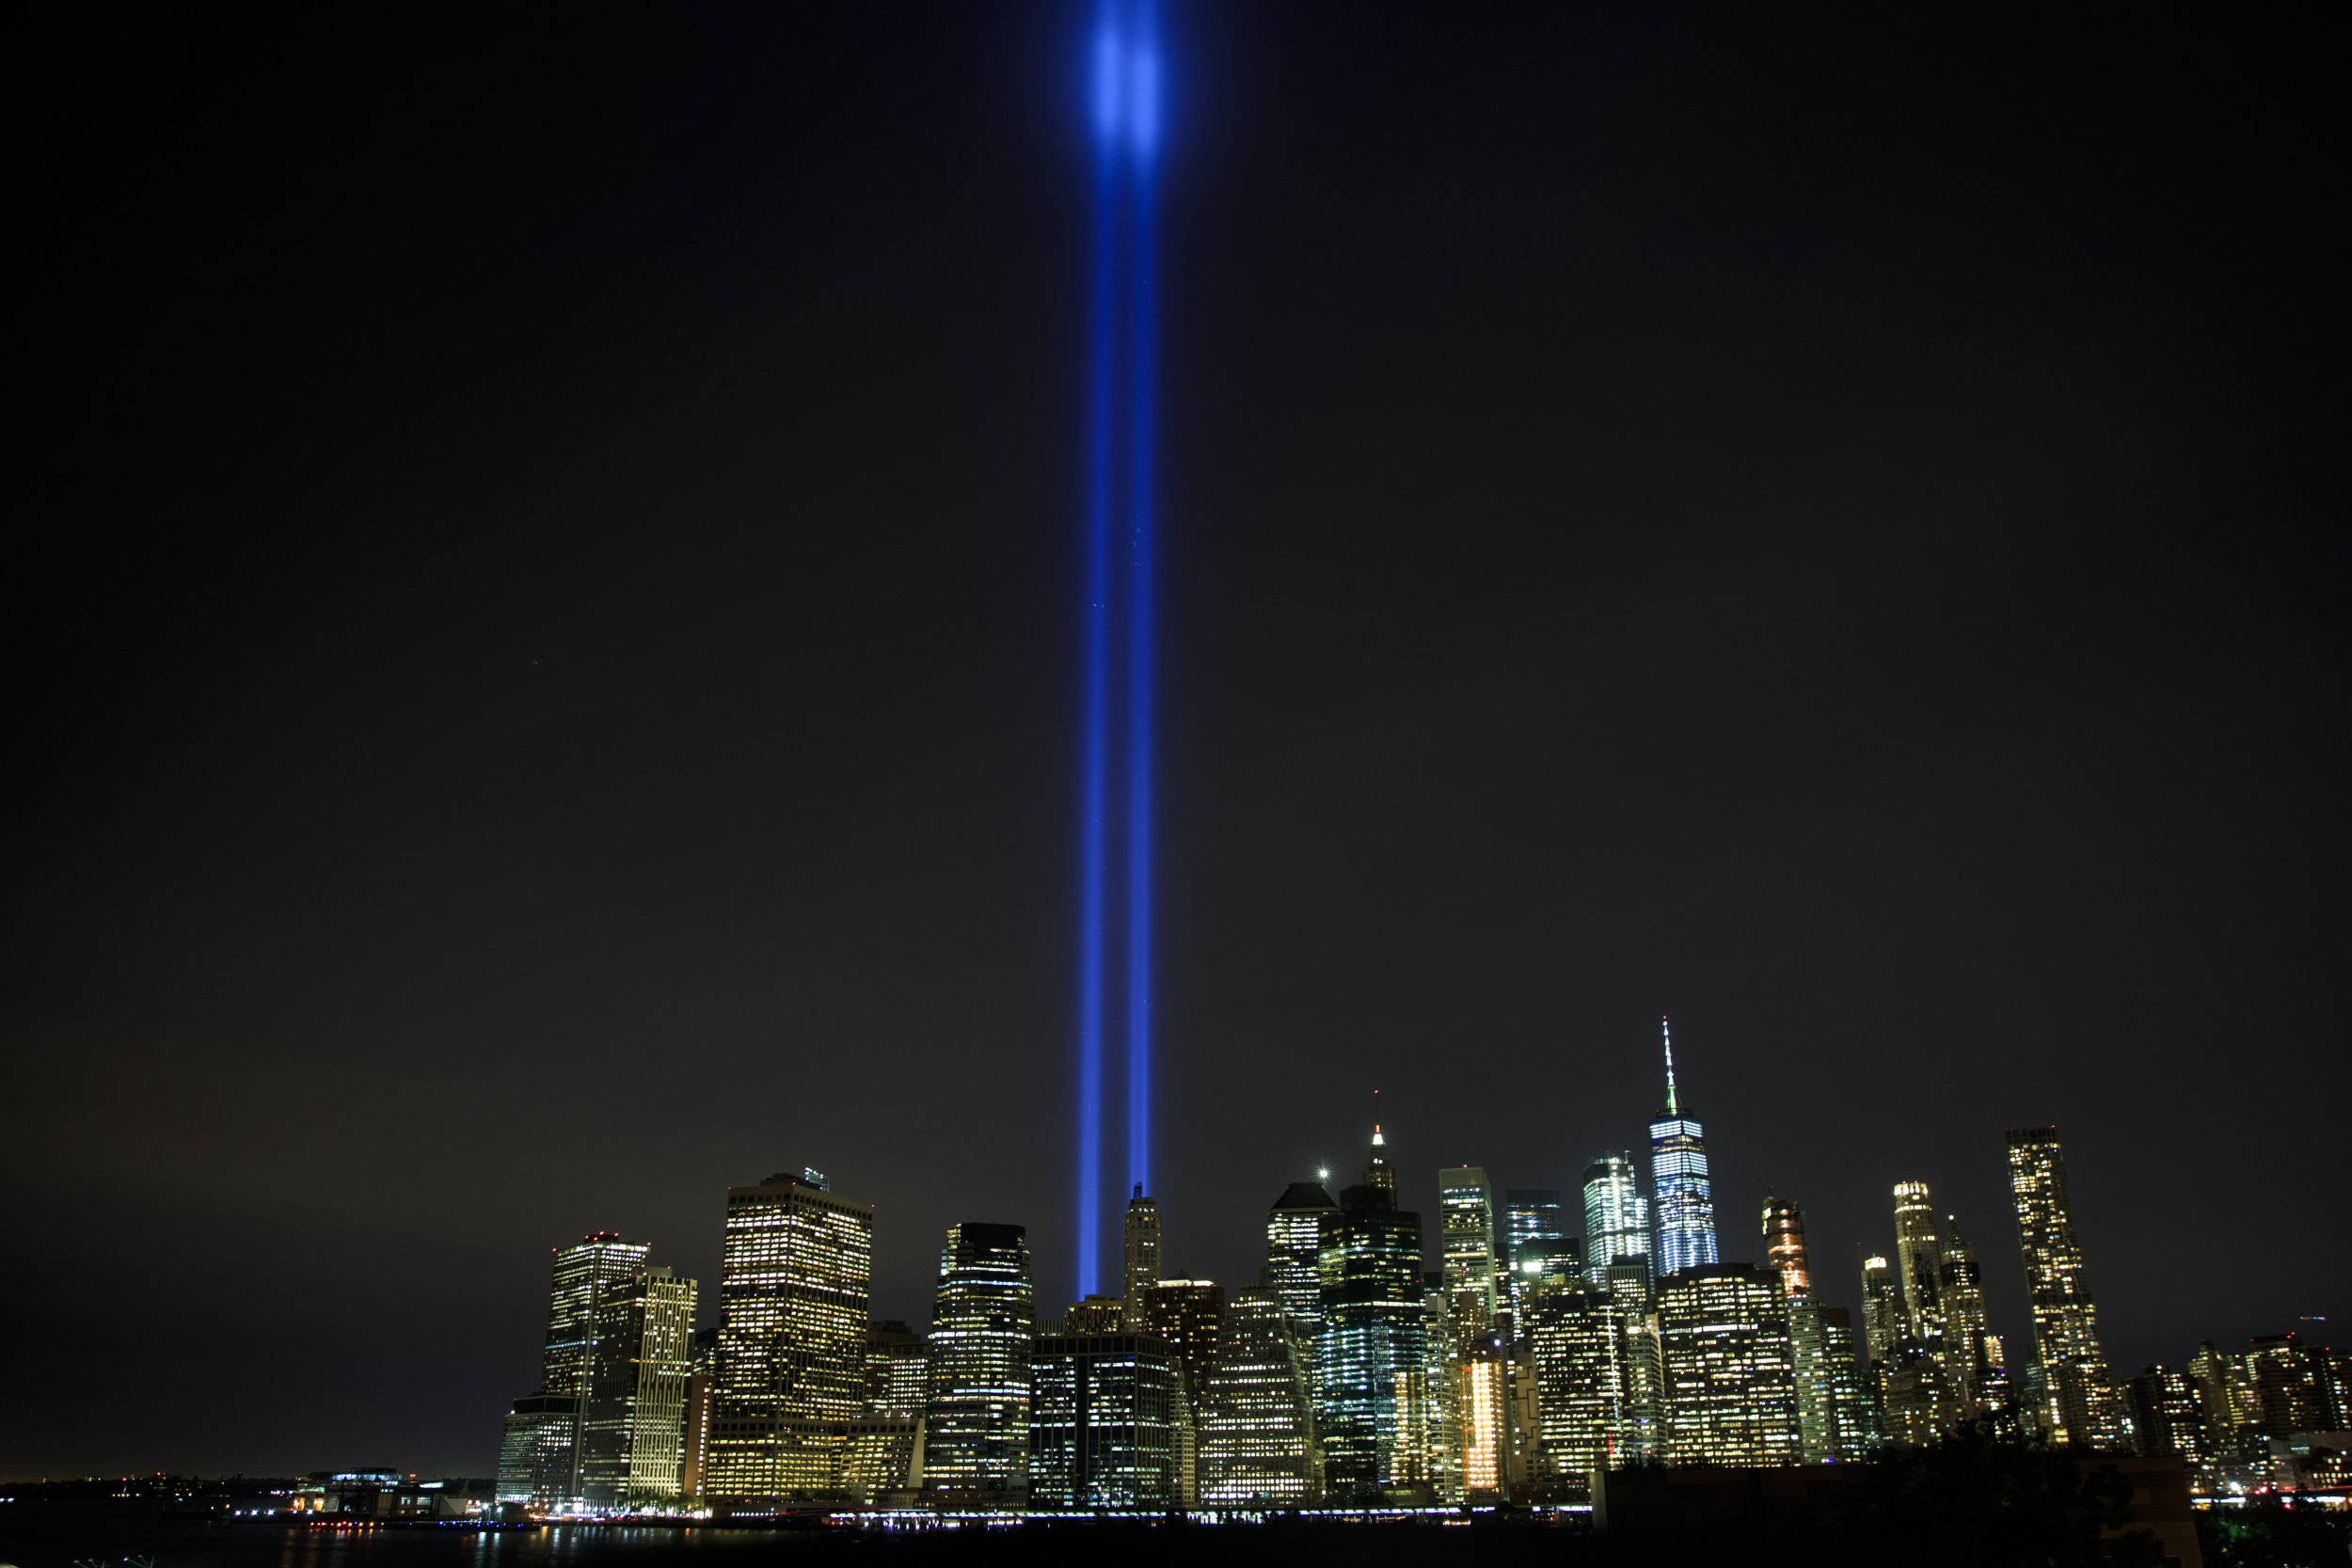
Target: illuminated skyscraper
[897,1371]
[1685,1197]
[1534,1230]
[977,1422]
[1105,1415]
[1834,1419]
[1294,1244]
[2164,1415]
[542,1449]
[1918,1257]
[1640,1426]
[1883,1319]
[1466,1228]
[2295,1385]
[795,1276]
[1378,1173]
[1369,1356]
[1257,1438]
[1531,1214]
[1188,1314]
[1579,1339]
[702,1401]
[1967,1354]
[1429,1406]
[1143,1254]
[1731,1392]
[536,1450]
[1838,1421]
[1784,1246]
[633,1424]
[1617,1215]
[1485,1372]
[1094,1315]
[2079,1404]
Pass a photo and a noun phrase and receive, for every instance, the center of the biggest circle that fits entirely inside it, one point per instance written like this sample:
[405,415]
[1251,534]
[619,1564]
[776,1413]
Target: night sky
[544,596]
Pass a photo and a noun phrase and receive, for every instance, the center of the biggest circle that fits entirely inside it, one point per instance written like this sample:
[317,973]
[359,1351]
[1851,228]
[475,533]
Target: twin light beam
[1123,69]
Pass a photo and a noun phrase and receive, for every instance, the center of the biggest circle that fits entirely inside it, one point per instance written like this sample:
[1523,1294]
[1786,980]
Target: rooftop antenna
[1666,1028]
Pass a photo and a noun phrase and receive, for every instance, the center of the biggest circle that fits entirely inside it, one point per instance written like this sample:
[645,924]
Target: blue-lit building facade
[1684,1198]
[1369,1354]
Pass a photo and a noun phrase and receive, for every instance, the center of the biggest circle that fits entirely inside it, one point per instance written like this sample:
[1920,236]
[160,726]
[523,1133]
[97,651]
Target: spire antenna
[1666,1028]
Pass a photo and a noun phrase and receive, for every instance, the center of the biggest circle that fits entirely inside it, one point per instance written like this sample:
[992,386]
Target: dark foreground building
[1963,1502]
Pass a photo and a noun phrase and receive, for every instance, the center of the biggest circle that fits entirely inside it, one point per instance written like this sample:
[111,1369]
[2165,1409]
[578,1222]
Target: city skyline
[1394,1382]
[554,685]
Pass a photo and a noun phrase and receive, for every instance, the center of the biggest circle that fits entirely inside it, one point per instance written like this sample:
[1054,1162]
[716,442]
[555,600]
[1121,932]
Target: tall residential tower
[2078,1402]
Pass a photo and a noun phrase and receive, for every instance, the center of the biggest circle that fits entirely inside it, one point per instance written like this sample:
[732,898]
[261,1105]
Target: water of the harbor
[88,1538]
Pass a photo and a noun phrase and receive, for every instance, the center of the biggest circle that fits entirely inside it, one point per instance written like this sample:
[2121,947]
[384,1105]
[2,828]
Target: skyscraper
[795,1276]
[1294,1244]
[1918,1257]
[633,1425]
[1903,1379]
[1835,1423]
[1465,1229]
[1257,1438]
[702,1401]
[1838,1421]
[2163,1411]
[1784,1246]
[1105,1415]
[1378,1173]
[1580,1384]
[977,1421]
[1534,1230]
[1685,1206]
[1883,1319]
[1968,1350]
[1369,1356]
[1142,1254]
[1483,1373]
[540,1445]
[1531,1214]
[1617,1215]
[897,1371]
[2079,1404]
[1731,1394]
[1188,1314]
[536,1450]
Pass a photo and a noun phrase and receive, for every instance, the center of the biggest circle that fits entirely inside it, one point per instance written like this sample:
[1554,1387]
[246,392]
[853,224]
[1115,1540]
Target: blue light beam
[1143,314]
[1123,81]
[1094,761]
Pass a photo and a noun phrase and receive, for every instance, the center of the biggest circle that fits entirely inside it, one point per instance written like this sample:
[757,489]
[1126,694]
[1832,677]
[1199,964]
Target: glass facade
[1465,1229]
[633,1421]
[1730,1372]
[1256,1423]
[1106,1412]
[1617,1215]
[1580,1384]
[976,1424]
[1142,1260]
[897,1371]
[1683,1196]
[796,1271]
[1294,1244]
[1369,1354]
[2078,1402]
[1784,1245]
